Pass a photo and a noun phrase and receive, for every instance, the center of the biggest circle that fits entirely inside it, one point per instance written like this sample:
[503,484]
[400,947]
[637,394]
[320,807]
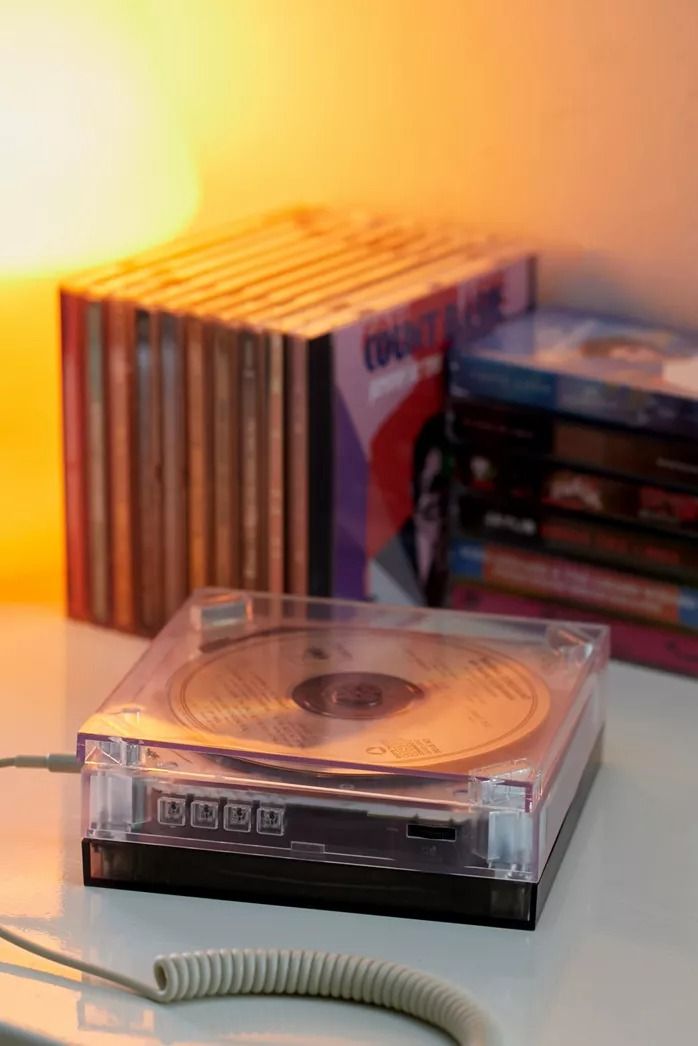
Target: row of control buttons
[205,813]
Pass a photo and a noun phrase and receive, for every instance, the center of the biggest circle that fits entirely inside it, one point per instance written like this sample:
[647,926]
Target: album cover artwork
[390,469]
[595,367]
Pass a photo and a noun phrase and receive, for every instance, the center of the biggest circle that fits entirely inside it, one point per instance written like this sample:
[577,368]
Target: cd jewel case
[348,755]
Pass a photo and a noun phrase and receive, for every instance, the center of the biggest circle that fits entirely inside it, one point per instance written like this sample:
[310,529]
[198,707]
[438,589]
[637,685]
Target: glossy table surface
[614,959]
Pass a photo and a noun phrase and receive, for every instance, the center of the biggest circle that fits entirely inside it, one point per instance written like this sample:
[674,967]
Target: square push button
[172,811]
[237,817]
[270,820]
[204,813]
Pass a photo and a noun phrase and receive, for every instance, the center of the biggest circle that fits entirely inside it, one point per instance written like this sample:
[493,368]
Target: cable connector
[63,763]
[54,762]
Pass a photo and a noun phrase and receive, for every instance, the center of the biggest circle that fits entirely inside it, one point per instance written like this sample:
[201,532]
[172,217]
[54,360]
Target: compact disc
[359,696]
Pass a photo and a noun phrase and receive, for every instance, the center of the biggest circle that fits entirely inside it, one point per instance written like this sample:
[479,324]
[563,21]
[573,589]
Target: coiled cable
[232,971]
[354,978]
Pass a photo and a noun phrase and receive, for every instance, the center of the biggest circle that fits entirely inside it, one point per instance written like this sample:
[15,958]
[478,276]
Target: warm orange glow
[31,547]
[93,165]
[92,160]
[571,123]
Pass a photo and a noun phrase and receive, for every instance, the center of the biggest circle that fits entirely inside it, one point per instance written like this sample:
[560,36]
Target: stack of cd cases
[576,478]
[260,407]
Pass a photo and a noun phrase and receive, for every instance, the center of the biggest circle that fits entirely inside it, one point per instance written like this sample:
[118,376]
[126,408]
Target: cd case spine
[75,454]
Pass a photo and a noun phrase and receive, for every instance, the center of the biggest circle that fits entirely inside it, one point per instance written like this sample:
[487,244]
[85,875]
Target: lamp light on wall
[92,165]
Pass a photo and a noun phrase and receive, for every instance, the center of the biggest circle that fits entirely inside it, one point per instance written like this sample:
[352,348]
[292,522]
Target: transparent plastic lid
[357,691]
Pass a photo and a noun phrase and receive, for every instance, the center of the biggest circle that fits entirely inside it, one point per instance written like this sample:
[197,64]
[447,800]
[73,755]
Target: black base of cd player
[343,887]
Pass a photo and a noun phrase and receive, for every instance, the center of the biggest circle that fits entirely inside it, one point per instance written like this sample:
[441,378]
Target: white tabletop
[614,959]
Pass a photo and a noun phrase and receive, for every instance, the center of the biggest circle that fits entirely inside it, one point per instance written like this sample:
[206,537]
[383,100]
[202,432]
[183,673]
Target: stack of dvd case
[576,478]
[261,408]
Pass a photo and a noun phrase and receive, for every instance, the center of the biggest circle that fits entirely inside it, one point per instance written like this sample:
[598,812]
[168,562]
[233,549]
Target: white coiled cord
[233,971]
[247,971]
[354,978]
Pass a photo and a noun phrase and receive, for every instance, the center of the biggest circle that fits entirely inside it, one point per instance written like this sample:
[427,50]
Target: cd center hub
[355,695]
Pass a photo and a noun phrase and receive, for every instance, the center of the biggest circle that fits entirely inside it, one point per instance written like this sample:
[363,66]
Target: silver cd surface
[359,696]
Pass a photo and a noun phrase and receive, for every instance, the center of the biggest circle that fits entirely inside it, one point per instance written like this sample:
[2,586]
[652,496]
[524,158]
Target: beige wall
[573,121]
